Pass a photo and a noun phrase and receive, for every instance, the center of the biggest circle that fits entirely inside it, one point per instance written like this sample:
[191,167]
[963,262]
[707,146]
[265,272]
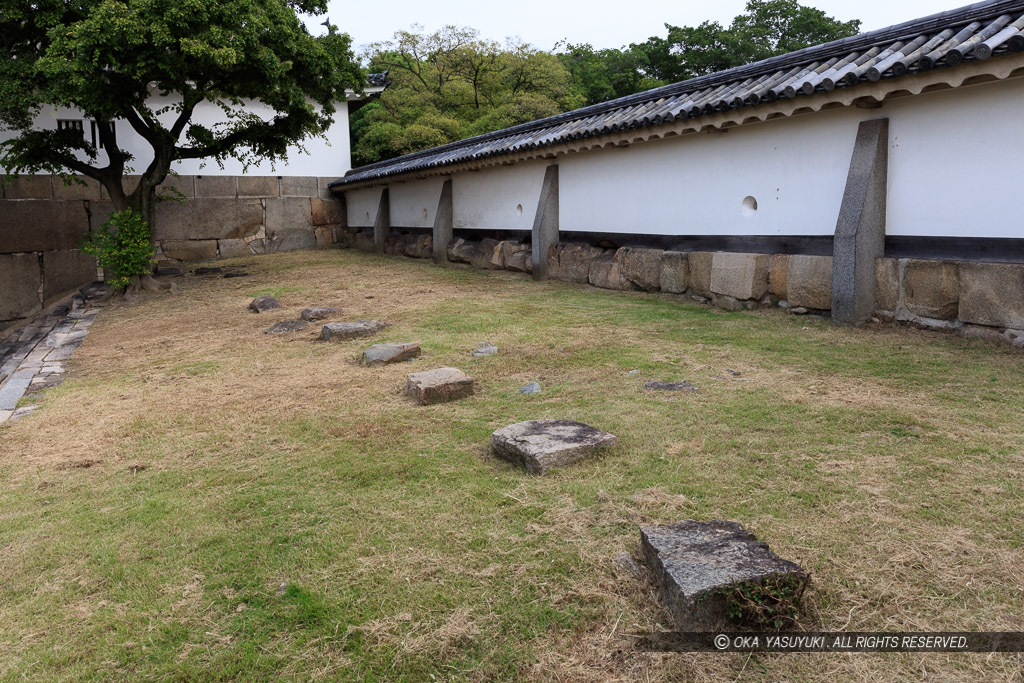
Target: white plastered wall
[499,198]
[363,205]
[414,204]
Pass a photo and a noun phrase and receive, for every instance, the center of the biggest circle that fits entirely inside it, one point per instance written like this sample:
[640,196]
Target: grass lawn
[200,501]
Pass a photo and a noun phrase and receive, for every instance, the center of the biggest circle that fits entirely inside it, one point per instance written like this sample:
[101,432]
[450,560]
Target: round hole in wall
[748,207]
[519,209]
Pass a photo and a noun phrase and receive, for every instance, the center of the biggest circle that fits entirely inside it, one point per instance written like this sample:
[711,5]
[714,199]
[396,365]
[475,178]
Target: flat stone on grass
[319,313]
[542,444]
[485,349]
[702,567]
[286,327]
[263,303]
[439,386]
[669,386]
[384,354]
[343,331]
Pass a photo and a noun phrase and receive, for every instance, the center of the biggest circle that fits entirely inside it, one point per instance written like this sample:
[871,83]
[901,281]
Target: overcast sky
[602,24]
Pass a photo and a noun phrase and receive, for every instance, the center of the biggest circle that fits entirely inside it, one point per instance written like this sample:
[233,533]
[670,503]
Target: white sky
[603,24]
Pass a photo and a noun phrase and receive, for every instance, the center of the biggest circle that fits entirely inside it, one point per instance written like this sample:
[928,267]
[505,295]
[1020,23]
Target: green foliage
[599,75]
[147,64]
[767,28]
[122,247]
[770,604]
[450,84]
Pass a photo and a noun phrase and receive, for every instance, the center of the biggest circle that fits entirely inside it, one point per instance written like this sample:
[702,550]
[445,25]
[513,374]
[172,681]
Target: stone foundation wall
[976,299]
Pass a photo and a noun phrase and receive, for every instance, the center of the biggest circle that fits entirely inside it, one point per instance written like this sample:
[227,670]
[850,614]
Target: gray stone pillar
[444,224]
[545,224]
[382,226]
[860,230]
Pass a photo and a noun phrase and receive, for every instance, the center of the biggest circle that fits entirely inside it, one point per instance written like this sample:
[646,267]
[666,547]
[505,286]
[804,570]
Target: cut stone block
[233,248]
[327,212]
[30,187]
[540,445]
[571,262]
[607,272]
[887,284]
[931,289]
[319,313]
[700,272]
[488,255]
[209,219]
[992,294]
[519,261]
[742,276]
[531,388]
[298,186]
[669,386]
[394,352]
[675,272]
[342,331]
[642,267]
[216,186]
[19,284]
[42,226]
[190,250]
[439,386]
[809,281]
[286,327]
[258,186]
[462,251]
[778,272]
[698,564]
[263,303]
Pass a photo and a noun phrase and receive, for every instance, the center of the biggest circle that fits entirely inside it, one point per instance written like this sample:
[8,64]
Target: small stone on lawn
[264,303]
[485,349]
[439,386]
[531,388]
[542,444]
[319,313]
[342,331]
[669,386]
[384,354]
[286,327]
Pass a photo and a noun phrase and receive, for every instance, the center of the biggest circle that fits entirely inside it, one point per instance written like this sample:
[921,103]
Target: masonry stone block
[324,190]
[608,271]
[642,267]
[233,248]
[42,225]
[364,241]
[291,240]
[931,289]
[700,272]
[19,282]
[741,276]
[571,262]
[992,294]
[28,187]
[99,213]
[778,271]
[328,211]
[64,271]
[488,255]
[209,218]
[887,284]
[809,281]
[177,187]
[675,272]
[299,186]
[76,189]
[258,186]
[190,250]
[216,186]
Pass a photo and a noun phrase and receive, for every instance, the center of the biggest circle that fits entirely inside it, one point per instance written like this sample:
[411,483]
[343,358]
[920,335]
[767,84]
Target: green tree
[451,84]
[599,75]
[151,63]
[765,29]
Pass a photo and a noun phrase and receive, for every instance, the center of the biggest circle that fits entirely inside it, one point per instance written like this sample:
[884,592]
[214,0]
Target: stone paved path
[32,357]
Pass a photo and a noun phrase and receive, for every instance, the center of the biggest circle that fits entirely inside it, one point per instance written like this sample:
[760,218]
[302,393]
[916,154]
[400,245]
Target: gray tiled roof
[975,32]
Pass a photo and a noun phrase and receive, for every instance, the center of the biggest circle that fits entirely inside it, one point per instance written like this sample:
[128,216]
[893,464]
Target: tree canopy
[110,59]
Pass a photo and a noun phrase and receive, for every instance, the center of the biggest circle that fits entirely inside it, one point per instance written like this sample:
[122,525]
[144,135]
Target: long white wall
[414,205]
[322,157]
[500,198]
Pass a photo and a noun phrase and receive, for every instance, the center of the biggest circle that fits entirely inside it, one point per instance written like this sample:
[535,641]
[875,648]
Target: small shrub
[122,247]
[770,604]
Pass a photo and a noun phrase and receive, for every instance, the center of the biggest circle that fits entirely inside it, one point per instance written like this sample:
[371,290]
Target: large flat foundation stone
[698,565]
[542,444]
[334,332]
[439,386]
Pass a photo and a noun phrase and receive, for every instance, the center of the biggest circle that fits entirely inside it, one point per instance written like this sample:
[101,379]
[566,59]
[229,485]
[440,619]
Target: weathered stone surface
[511,250]
[420,246]
[809,281]
[992,294]
[530,388]
[190,250]
[485,349]
[931,289]
[394,352]
[316,313]
[542,444]
[19,283]
[887,284]
[327,211]
[364,241]
[90,190]
[697,564]
[289,224]
[177,187]
[64,271]
[233,248]
[571,262]
[462,251]
[675,272]
[642,267]
[726,302]
[743,276]
[286,327]
[778,272]
[263,303]
[290,240]
[29,187]
[258,186]
[669,386]
[439,386]
[208,219]
[299,186]
[488,255]
[216,186]
[700,272]
[342,331]
[982,332]
[519,261]
[65,223]
[607,271]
